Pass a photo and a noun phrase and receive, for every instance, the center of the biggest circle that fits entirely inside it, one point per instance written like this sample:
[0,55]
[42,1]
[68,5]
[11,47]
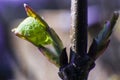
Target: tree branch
[79,26]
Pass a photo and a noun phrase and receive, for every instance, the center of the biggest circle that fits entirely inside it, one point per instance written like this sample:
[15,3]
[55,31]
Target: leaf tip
[117,12]
[29,11]
[13,30]
[17,33]
[25,5]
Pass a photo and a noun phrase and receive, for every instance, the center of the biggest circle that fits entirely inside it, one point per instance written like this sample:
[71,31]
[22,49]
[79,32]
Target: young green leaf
[31,30]
[35,30]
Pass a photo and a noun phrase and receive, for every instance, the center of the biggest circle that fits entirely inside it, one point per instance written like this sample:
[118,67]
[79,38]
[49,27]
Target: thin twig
[79,26]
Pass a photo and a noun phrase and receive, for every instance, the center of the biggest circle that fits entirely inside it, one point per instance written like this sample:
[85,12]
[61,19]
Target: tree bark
[79,26]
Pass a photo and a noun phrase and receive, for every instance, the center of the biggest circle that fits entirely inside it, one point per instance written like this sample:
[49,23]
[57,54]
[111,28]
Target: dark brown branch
[79,25]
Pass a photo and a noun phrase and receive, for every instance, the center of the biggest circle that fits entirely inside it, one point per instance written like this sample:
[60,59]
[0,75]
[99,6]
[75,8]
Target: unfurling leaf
[101,42]
[35,30]
[31,30]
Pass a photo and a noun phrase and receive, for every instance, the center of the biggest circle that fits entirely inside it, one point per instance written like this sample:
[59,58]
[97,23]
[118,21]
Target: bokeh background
[20,60]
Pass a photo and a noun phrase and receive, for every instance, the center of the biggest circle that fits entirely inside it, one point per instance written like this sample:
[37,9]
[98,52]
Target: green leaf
[35,30]
[31,30]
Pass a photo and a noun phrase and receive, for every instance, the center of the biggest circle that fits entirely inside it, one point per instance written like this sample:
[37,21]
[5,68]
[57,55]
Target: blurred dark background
[19,60]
